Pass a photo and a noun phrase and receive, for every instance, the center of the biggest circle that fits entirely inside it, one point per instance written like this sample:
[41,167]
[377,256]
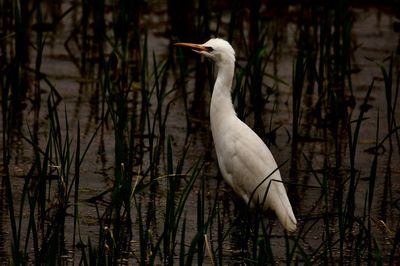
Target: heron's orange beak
[196,47]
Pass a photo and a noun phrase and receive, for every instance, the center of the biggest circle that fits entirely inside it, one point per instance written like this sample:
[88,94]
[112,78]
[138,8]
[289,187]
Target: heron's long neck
[221,101]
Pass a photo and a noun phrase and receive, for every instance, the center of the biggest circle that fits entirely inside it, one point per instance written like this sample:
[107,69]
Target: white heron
[245,161]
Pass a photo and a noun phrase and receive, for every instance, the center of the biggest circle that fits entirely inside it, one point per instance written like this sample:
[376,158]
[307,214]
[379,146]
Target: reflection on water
[128,95]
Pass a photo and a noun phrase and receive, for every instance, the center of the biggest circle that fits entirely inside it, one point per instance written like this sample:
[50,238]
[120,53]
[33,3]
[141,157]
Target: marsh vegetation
[107,156]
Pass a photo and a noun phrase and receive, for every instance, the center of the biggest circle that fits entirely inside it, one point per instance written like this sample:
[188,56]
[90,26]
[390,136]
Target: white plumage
[243,158]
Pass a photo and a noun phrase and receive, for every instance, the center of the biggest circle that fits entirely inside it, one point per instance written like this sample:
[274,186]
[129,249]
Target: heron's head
[218,50]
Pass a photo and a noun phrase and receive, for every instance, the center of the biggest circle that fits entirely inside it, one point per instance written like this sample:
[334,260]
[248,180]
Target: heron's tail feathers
[282,207]
[287,218]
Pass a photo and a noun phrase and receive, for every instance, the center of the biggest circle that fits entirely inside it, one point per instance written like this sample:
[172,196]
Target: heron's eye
[209,48]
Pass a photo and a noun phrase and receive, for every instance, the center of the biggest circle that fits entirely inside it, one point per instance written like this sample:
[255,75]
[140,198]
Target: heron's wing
[245,159]
[245,163]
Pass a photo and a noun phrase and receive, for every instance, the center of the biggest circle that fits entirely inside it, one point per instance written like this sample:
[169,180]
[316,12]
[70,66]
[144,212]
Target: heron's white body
[245,161]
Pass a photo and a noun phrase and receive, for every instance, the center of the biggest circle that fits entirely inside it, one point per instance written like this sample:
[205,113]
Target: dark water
[373,38]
